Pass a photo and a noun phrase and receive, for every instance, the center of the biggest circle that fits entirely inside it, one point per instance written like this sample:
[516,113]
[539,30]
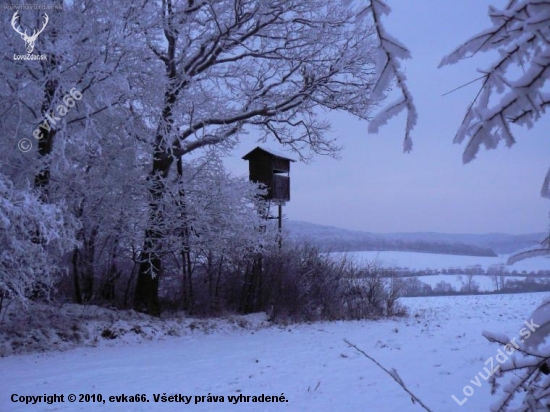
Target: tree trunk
[76,280]
[45,144]
[250,301]
[187,271]
[146,298]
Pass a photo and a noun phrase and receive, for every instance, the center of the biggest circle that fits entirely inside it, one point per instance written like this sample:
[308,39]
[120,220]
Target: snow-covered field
[421,261]
[425,261]
[437,350]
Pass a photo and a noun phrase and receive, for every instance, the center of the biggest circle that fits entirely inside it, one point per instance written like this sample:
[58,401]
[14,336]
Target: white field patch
[437,350]
[430,261]
[422,261]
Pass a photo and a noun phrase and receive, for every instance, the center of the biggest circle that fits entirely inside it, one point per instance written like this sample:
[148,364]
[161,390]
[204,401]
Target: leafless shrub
[308,285]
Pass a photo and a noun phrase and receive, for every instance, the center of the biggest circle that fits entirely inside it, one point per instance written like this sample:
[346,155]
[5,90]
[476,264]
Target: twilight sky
[375,187]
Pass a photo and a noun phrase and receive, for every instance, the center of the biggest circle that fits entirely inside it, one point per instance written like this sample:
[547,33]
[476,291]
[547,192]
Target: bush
[33,238]
[295,282]
[305,285]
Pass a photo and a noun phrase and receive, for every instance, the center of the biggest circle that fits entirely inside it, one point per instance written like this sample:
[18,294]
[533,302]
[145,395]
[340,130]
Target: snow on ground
[437,350]
[424,261]
[62,327]
[421,261]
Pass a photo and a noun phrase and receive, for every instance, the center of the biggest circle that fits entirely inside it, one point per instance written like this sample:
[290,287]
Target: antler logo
[29,40]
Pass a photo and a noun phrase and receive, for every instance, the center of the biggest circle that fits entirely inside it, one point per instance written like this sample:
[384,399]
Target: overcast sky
[375,187]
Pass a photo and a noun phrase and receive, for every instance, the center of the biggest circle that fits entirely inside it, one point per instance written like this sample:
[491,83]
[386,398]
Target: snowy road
[436,353]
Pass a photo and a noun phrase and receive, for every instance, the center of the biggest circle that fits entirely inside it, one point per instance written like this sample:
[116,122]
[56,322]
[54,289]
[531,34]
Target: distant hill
[330,238]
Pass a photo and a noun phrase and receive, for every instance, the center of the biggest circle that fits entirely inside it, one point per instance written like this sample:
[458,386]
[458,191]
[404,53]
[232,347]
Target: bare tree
[469,285]
[497,276]
[228,66]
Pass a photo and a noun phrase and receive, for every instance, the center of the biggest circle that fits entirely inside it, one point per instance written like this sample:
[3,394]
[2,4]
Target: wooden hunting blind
[271,169]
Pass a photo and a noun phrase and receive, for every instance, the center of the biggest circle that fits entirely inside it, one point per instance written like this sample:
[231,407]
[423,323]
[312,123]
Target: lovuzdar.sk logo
[29,40]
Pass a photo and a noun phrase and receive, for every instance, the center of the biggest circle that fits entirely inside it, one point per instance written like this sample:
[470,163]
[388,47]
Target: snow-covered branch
[388,69]
[525,362]
[515,86]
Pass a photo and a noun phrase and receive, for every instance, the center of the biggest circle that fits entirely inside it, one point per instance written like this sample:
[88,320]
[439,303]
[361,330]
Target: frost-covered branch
[388,69]
[515,87]
[525,364]
[259,65]
[545,191]
[393,373]
[33,238]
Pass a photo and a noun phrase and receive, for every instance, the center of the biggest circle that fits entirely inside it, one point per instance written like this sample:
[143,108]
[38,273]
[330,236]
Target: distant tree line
[413,286]
[474,270]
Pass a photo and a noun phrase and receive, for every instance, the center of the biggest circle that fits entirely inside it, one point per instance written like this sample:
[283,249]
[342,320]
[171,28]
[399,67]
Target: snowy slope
[437,351]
